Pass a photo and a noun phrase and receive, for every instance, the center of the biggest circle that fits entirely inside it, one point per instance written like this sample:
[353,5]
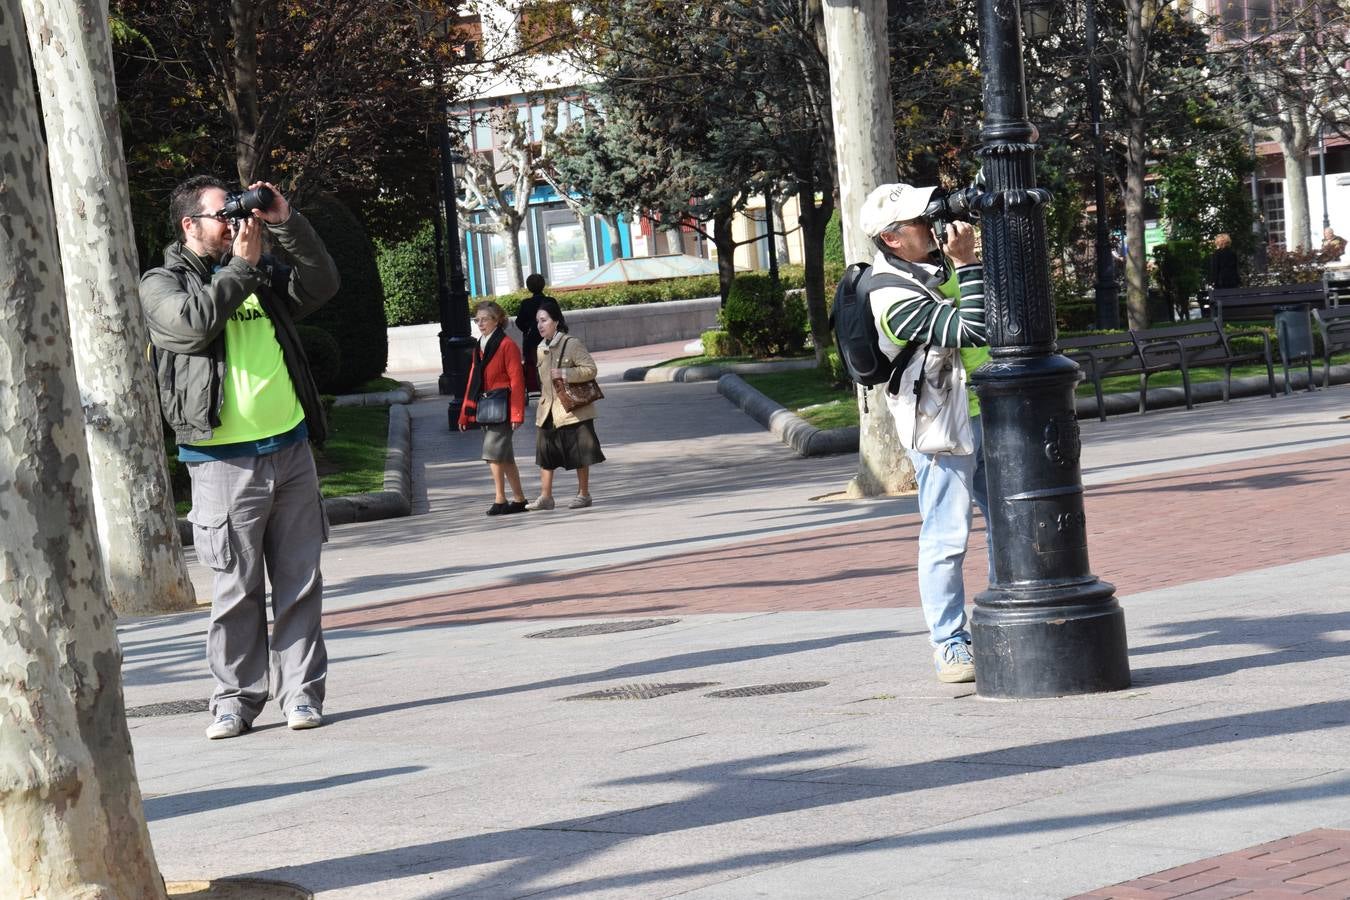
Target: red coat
[503,371]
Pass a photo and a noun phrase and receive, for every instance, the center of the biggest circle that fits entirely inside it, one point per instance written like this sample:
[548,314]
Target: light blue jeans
[947,486]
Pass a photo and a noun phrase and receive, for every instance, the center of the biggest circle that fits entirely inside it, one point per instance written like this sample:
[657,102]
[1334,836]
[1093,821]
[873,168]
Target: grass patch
[703,361]
[811,394]
[1121,383]
[352,459]
[378,386]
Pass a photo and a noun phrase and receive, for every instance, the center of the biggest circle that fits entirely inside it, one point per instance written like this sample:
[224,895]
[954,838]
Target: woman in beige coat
[565,439]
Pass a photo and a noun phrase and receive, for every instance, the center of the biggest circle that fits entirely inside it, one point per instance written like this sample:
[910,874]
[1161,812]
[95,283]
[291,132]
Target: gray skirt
[497,443]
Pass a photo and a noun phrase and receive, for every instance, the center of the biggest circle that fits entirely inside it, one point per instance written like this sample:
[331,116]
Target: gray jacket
[186,309]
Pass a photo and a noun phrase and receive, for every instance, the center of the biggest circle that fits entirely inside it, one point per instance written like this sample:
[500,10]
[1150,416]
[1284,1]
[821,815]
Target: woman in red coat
[496,368]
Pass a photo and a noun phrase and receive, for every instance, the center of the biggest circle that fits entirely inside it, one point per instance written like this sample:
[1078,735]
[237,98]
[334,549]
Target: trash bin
[1293,329]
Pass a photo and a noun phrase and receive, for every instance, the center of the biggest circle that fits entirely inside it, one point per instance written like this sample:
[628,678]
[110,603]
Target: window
[482,130]
[565,245]
[1272,205]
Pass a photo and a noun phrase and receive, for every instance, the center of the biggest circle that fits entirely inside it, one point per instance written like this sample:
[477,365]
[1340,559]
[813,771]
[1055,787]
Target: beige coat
[570,355]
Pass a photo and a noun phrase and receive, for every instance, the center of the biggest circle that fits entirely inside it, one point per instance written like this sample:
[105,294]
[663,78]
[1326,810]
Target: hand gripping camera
[240,204]
[961,205]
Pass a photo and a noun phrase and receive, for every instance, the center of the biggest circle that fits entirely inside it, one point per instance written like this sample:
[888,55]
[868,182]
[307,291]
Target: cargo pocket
[211,538]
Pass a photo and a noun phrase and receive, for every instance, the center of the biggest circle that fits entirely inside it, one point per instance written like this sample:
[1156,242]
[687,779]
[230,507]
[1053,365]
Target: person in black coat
[529,329]
[1223,264]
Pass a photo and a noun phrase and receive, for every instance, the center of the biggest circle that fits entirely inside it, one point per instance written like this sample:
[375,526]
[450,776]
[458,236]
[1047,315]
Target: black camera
[240,204]
[961,205]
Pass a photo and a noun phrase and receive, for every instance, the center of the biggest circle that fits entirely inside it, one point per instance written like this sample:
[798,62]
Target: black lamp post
[1046,626]
[455,337]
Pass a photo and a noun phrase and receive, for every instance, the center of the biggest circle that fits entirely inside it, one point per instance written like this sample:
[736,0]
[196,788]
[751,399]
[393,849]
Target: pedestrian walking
[529,329]
[939,300]
[566,439]
[496,381]
[235,387]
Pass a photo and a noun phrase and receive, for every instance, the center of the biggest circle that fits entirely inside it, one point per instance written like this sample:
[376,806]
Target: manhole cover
[759,690]
[641,691]
[172,708]
[602,628]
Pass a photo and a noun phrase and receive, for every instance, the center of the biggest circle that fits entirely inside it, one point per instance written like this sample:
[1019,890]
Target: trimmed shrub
[355,316]
[1179,273]
[324,355]
[408,274]
[834,243]
[762,319]
[719,343]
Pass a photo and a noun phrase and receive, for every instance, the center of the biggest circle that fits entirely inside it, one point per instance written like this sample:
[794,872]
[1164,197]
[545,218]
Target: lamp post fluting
[1046,626]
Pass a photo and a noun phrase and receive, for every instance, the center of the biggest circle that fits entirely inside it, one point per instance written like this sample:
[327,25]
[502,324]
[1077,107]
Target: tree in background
[292,92]
[138,532]
[73,822]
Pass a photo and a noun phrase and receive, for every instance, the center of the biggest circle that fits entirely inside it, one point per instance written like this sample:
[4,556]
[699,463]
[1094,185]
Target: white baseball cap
[891,203]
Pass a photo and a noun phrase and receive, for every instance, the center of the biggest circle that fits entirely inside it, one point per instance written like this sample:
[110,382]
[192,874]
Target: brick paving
[1311,864]
[1145,533]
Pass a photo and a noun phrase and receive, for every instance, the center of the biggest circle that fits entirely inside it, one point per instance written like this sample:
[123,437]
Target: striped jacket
[906,313]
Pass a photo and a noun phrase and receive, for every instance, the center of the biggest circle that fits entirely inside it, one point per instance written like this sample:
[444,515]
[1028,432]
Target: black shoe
[499,509]
[514,506]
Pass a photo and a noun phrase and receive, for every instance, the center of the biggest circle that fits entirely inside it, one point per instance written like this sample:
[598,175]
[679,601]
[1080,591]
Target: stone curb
[395,501]
[403,394]
[807,440]
[790,428]
[713,373]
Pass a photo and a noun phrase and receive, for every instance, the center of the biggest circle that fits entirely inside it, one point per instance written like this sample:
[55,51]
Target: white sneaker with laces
[580,501]
[954,663]
[302,717]
[226,725]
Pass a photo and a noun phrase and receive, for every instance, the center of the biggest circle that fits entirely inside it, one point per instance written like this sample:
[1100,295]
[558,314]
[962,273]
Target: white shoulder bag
[930,406]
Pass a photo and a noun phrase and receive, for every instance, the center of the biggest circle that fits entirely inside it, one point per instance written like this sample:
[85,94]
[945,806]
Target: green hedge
[761,318]
[355,316]
[408,274]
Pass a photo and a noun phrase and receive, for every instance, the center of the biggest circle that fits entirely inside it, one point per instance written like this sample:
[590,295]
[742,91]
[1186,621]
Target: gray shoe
[539,503]
[302,717]
[226,725]
[954,663]
[580,501]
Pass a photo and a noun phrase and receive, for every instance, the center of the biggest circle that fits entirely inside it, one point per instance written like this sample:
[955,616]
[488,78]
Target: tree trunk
[726,250]
[72,823]
[864,139]
[780,241]
[133,499]
[245,16]
[1136,163]
[1136,268]
[813,221]
[515,267]
[1295,142]
[615,241]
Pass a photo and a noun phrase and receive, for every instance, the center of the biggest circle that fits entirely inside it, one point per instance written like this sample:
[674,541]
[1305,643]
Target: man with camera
[235,387]
[924,295]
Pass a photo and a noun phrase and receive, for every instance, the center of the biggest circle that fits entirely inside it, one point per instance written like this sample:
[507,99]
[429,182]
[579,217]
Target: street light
[455,337]
[1046,626]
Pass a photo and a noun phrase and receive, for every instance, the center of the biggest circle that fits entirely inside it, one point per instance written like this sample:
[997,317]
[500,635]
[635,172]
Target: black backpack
[855,329]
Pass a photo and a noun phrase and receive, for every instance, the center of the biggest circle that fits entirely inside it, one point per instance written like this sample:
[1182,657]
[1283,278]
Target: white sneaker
[580,501]
[954,663]
[302,717]
[226,725]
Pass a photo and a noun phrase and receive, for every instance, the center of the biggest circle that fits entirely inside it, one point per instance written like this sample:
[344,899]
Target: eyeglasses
[485,318]
[217,216]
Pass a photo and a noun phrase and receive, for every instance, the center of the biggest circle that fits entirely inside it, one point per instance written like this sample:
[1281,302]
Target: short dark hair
[186,200]
[550,306]
[535,283]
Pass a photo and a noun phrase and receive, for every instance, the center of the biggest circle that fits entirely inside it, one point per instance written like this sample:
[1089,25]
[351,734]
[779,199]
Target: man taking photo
[235,387]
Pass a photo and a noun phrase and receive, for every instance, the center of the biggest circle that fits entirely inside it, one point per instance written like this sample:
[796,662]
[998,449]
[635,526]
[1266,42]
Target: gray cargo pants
[251,513]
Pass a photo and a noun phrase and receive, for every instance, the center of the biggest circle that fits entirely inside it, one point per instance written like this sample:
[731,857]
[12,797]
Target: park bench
[1185,347]
[1334,324]
[1287,306]
[1101,356]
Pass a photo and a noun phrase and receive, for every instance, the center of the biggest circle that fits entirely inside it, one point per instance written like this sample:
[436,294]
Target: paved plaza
[455,760]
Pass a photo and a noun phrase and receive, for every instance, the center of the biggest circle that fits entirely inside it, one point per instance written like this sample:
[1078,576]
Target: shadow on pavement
[172,805]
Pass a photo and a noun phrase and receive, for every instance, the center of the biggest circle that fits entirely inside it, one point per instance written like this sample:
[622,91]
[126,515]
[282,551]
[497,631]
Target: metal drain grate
[602,628]
[172,708]
[759,690]
[641,691]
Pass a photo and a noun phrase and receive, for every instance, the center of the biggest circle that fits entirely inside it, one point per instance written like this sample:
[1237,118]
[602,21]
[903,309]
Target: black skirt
[569,447]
